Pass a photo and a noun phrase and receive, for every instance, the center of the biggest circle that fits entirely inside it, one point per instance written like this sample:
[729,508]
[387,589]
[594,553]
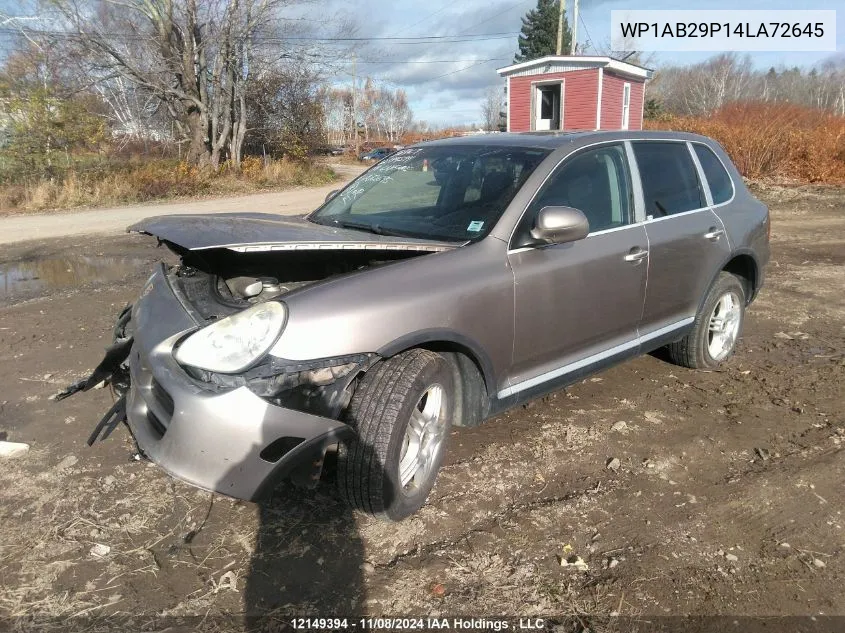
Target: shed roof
[552,61]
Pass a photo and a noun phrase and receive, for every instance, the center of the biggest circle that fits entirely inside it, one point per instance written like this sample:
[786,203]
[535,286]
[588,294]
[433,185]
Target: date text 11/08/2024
[417,624]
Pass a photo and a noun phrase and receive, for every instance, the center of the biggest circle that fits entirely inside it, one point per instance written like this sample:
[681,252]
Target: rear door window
[669,178]
[720,183]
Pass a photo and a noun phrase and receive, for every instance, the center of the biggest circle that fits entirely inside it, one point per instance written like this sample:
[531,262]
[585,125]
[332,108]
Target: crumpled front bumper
[227,440]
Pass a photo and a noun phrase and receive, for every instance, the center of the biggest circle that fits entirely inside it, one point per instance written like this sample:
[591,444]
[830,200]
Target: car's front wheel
[402,411]
[716,328]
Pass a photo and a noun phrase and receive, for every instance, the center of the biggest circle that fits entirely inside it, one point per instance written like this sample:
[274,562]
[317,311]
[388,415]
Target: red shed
[575,93]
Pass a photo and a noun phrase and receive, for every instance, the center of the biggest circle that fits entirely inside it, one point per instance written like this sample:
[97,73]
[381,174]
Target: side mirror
[558,225]
[331,195]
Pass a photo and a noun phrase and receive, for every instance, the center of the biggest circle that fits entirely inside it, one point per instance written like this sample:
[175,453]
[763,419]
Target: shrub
[773,141]
[131,182]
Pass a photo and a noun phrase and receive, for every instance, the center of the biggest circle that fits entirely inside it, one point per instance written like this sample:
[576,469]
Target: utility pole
[574,28]
[355,108]
[561,11]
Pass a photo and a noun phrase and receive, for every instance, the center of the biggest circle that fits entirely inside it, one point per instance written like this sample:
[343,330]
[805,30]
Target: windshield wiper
[370,228]
[380,230]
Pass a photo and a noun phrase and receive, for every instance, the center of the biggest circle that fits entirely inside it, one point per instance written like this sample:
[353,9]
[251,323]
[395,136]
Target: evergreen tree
[653,109]
[538,36]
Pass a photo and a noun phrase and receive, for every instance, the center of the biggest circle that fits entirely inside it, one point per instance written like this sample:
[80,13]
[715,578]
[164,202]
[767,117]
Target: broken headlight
[232,344]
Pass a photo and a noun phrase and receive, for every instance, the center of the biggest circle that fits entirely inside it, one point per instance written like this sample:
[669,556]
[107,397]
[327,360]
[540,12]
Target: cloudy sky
[447,75]
[446,79]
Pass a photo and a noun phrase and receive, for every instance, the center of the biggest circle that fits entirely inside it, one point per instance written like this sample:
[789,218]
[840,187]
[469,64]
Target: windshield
[451,193]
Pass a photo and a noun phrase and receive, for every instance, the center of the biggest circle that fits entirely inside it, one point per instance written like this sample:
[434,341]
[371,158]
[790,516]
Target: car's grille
[162,397]
[158,427]
[159,407]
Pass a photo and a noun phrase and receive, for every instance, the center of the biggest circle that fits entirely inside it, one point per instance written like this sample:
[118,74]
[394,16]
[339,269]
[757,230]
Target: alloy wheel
[724,326]
[424,438]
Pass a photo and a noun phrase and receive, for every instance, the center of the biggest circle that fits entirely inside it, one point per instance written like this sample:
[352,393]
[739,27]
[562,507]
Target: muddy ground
[728,498]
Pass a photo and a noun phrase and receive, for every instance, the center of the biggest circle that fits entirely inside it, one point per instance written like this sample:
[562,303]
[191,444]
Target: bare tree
[396,114]
[624,49]
[131,112]
[382,112]
[337,110]
[286,113]
[198,57]
[491,109]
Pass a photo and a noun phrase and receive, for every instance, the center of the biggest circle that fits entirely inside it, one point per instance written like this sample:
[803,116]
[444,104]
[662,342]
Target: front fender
[452,339]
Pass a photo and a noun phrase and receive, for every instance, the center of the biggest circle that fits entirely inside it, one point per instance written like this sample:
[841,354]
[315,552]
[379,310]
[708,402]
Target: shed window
[626,105]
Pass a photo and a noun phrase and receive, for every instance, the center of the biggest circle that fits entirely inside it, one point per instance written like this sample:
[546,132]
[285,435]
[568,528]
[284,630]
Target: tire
[706,349]
[368,467]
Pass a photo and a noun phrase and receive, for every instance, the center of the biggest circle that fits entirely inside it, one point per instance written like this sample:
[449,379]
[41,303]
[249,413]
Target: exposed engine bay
[220,282]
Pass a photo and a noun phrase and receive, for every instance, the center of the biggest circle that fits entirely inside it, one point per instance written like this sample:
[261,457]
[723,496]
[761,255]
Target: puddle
[55,273]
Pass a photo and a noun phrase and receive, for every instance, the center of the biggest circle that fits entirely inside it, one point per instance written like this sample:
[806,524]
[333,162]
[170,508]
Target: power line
[430,42]
[586,30]
[424,39]
[493,17]
[428,17]
[430,61]
[454,72]
[481,36]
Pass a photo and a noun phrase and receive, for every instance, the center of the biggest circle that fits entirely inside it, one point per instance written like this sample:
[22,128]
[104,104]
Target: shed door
[547,106]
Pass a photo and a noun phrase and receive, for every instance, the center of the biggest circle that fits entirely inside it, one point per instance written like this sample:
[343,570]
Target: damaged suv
[451,281]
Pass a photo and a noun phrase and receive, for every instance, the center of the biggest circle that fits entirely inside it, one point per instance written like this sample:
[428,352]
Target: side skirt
[513,396]
[499,405]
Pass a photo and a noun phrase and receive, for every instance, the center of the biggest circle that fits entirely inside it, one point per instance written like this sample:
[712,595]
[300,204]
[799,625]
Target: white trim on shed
[568,63]
[598,100]
[508,104]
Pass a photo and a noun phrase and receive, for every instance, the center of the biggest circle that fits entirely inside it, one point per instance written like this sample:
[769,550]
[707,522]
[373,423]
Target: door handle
[714,233]
[636,256]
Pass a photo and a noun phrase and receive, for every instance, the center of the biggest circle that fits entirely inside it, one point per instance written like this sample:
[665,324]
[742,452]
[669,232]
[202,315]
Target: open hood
[252,232]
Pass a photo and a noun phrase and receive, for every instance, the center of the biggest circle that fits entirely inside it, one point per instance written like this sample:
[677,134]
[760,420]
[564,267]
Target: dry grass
[774,141]
[155,181]
[51,581]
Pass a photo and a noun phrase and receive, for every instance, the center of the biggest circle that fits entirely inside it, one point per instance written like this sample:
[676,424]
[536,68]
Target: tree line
[703,88]
[373,112]
[212,78]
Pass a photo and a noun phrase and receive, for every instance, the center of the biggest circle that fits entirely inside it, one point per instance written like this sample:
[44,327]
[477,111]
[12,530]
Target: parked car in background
[329,150]
[376,154]
[451,281]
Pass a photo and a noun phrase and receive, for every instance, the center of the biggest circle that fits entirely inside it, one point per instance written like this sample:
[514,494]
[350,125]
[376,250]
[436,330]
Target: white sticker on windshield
[475,226]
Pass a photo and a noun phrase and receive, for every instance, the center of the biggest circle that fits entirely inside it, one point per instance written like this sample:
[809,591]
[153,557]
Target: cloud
[474,18]
[445,81]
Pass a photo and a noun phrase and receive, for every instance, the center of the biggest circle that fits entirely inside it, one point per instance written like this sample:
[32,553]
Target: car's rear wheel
[716,328]
[402,411]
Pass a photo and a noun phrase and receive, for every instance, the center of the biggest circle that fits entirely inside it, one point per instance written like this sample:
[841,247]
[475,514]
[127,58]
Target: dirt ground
[727,500]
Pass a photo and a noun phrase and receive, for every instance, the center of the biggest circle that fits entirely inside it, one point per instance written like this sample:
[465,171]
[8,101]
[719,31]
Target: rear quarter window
[669,178]
[718,179]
